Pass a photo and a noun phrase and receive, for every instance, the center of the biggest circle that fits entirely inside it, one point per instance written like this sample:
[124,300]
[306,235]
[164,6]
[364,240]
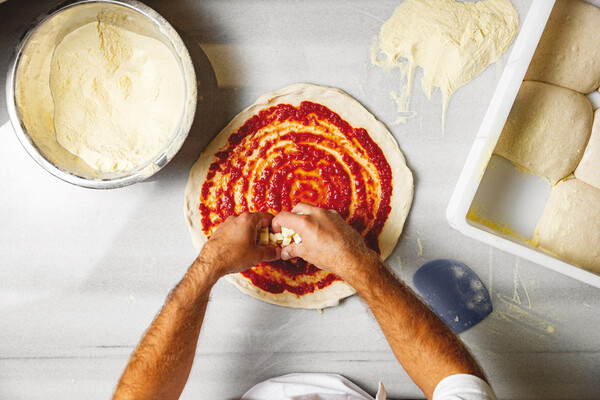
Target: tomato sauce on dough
[285,155]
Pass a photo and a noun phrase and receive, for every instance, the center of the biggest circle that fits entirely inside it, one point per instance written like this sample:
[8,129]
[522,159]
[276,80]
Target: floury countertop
[83,272]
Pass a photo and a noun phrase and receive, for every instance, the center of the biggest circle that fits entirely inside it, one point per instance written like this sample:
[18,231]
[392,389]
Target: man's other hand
[327,240]
[233,248]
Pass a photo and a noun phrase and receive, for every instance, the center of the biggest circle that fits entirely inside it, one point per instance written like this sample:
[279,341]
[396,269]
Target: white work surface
[83,272]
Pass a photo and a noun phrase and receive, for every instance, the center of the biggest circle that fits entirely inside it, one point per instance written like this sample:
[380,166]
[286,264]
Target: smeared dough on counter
[588,169]
[118,96]
[570,224]
[569,51]
[451,41]
[547,130]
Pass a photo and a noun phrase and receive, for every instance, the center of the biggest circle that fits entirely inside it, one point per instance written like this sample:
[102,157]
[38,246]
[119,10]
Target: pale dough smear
[451,41]
[547,130]
[356,115]
[570,224]
[118,96]
[569,51]
[588,169]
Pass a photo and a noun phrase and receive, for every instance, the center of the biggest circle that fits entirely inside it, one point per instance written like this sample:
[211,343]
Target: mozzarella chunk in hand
[287,235]
[287,232]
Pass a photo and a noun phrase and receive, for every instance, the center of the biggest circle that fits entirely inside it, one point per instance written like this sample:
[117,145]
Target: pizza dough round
[356,115]
[547,130]
[568,54]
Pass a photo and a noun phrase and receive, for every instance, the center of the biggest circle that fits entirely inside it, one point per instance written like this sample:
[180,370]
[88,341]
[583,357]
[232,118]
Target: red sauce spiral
[285,155]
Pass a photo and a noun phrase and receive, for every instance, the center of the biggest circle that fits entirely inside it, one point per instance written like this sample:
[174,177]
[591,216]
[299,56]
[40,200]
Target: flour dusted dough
[356,115]
[569,51]
[547,130]
[588,169]
[118,96]
[570,224]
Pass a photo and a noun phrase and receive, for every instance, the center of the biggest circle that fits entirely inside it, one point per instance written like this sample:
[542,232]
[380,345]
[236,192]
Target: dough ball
[570,224]
[589,167]
[547,130]
[569,51]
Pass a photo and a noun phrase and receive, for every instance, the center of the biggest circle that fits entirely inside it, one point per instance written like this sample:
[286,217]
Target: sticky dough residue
[451,41]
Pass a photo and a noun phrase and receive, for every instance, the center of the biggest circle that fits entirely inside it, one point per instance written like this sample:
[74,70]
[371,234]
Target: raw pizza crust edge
[356,115]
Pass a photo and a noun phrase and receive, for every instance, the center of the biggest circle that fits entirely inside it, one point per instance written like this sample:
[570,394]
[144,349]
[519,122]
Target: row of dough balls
[553,132]
[551,121]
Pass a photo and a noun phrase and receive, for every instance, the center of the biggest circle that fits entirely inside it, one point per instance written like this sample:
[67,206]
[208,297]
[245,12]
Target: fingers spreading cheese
[265,237]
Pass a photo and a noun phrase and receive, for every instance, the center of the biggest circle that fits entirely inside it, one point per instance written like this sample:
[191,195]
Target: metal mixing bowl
[29,100]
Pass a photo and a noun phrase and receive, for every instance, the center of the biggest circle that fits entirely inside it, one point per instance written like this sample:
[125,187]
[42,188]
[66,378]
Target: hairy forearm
[422,343]
[160,365]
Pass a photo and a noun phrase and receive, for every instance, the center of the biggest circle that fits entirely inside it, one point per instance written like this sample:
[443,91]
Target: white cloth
[335,387]
[310,386]
[463,387]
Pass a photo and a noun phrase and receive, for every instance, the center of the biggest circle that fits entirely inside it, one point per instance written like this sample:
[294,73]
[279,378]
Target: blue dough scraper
[454,293]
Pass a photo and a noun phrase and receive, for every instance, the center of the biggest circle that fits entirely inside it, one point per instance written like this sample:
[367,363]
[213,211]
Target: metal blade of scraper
[454,293]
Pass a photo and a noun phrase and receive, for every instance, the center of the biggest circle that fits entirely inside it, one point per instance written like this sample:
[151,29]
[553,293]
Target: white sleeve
[463,387]
[308,386]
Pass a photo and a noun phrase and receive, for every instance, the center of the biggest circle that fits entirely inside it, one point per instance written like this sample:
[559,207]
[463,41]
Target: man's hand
[327,240]
[160,365]
[233,248]
[428,350]
[425,347]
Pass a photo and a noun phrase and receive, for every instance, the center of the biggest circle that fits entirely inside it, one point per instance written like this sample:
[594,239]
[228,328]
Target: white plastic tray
[506,195]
